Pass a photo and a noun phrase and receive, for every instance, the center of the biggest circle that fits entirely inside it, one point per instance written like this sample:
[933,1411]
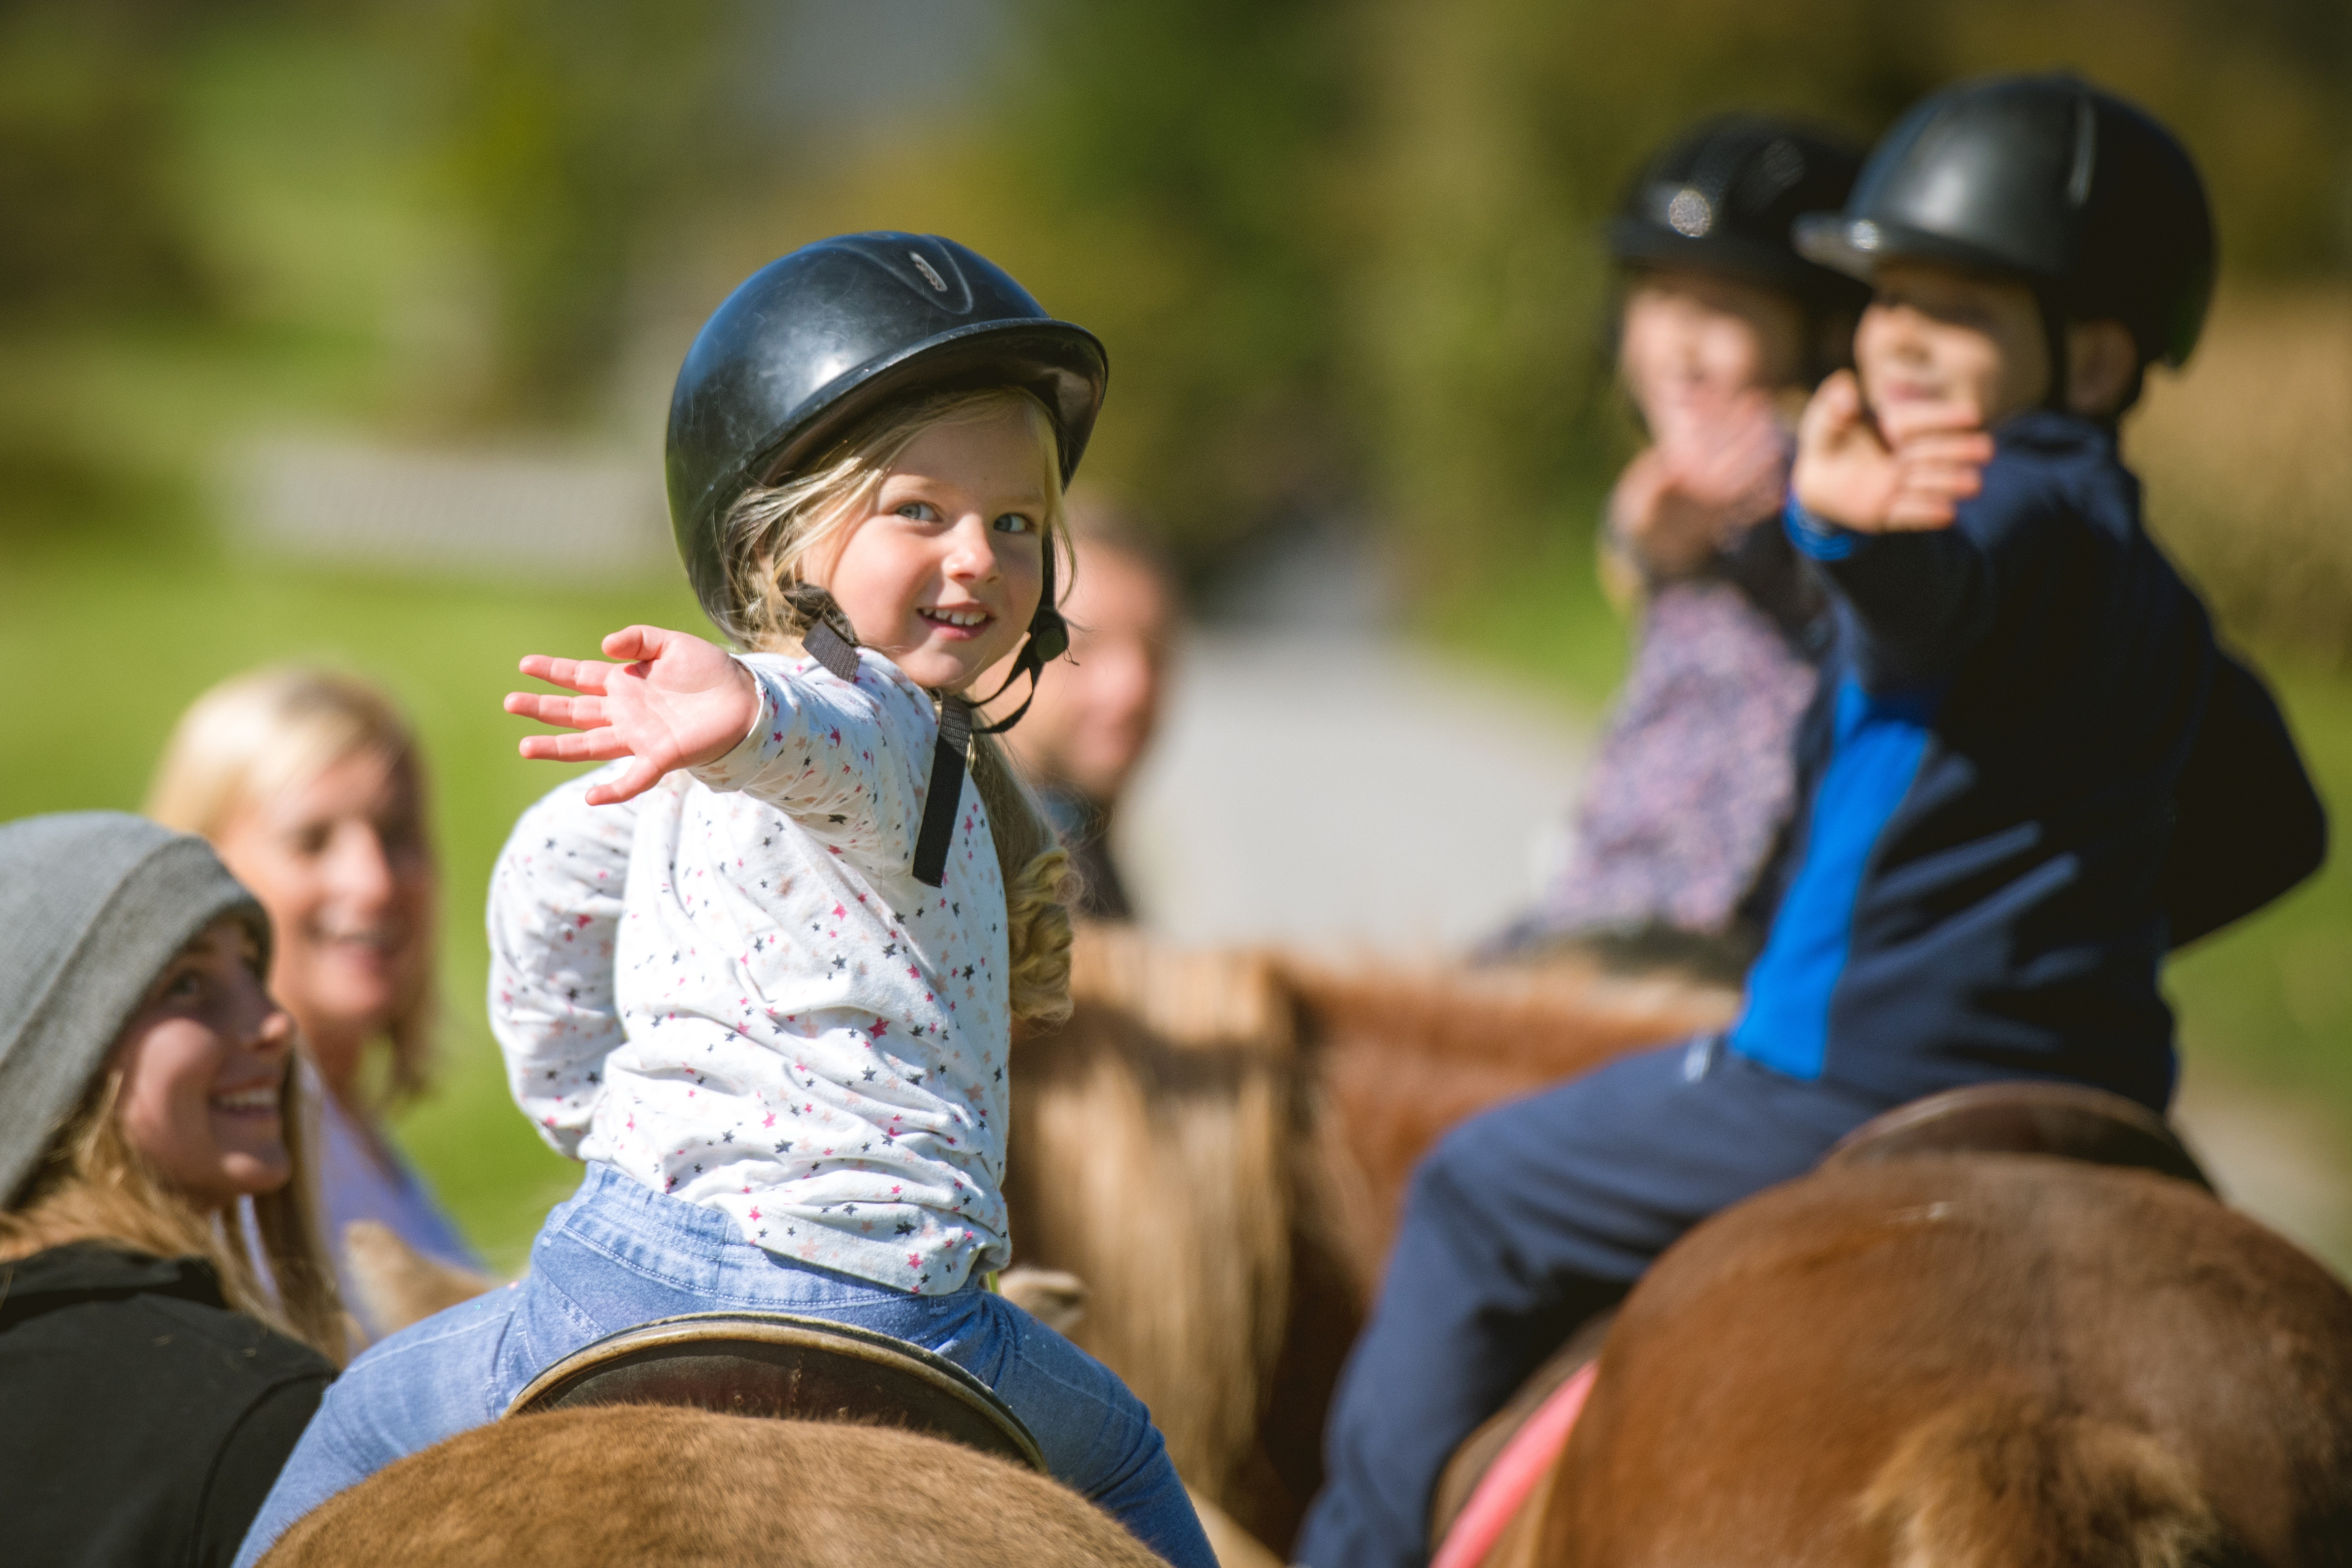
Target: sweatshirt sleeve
[2247,823]
[841,759]
[554,918]
[1914,602]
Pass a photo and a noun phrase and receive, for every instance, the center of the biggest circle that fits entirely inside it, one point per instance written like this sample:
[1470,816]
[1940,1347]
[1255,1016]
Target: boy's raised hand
[676,702]
[1906,471]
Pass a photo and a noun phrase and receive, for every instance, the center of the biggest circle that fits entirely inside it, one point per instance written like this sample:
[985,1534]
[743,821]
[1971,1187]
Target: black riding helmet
[2048,179]
[812,344]
[1721,196]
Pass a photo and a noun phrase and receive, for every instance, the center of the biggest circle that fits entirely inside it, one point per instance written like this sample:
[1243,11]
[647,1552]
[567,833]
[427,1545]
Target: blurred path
[1320,782]
[1339,795]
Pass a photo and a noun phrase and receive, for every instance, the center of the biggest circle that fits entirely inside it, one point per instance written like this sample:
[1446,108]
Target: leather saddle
[2069,1120]
[784,1367]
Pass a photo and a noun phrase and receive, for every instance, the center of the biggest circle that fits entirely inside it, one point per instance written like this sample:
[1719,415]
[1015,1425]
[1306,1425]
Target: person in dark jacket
[2032,774]
[158,1356]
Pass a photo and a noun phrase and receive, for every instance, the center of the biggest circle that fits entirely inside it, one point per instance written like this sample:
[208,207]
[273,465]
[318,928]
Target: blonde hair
[767,541]
[258,733]
[90,1185]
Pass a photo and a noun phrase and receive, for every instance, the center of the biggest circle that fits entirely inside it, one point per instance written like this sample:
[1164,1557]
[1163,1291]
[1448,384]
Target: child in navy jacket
[2030,774]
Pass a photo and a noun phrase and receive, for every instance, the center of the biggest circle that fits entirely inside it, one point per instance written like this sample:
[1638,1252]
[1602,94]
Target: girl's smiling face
[944,567]
[204,1071]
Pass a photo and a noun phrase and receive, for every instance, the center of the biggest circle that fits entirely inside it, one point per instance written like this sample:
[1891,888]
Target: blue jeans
[618,1254]
[1521,1223]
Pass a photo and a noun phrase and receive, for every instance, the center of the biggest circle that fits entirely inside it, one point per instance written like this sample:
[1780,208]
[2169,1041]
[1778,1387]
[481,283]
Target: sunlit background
[345,331]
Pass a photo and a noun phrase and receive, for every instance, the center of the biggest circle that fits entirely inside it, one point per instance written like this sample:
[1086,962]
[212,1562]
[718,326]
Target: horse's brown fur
[2002,1481]
[1401,1055]
[1148,1157]
[1948,1361]
[626,1486]
[1218,1144]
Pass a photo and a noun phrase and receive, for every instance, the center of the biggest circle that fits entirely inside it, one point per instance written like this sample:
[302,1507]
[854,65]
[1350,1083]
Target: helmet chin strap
[1049,639]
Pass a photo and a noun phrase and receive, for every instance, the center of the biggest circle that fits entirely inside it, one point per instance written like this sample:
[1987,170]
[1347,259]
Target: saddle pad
[1503,1490]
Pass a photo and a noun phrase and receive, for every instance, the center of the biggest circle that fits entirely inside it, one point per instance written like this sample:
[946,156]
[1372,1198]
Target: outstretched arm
[799,740]
[554,914]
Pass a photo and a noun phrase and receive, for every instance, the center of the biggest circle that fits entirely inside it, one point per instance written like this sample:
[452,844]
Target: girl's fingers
[628,787]
[631,644]
[579,675]
[573,712]
[595,746]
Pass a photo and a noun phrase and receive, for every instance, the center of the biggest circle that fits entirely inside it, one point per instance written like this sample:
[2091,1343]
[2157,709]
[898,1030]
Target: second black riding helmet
[2048,179]
[1720,198]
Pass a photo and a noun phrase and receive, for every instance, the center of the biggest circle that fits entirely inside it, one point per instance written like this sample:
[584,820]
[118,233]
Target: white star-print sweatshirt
[733,990]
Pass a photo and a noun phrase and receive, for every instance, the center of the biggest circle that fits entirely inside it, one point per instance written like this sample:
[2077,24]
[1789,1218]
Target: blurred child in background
[1723,328]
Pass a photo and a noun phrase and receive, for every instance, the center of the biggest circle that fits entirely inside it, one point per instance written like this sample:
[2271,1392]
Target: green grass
[104,653]
[2267,1002]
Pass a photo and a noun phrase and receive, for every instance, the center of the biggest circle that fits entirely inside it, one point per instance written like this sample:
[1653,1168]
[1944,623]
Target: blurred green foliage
[1344,254]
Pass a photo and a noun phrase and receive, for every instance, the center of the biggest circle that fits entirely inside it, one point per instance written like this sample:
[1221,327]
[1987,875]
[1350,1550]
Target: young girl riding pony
[760,972]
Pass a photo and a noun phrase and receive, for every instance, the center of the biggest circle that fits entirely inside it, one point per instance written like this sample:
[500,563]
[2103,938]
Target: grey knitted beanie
[92,906]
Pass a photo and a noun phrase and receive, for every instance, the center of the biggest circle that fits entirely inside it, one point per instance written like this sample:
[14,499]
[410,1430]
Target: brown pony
[1964,1362]
[1218,1143]
[649,1486]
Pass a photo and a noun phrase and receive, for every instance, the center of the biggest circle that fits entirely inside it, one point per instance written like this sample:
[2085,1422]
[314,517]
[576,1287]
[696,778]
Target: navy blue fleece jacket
[2032,773]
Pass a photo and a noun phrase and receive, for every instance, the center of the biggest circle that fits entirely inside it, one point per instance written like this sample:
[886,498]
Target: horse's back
[637,1484]
[1954,1360]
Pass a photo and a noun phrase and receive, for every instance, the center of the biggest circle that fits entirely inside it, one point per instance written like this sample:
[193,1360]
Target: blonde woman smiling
[308,784]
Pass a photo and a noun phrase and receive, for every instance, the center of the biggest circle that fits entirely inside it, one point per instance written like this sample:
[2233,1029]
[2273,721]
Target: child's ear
[2102,367]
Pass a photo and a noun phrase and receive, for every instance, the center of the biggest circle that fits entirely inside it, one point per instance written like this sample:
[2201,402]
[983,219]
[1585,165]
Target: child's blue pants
[619,1254]
[1520,1224]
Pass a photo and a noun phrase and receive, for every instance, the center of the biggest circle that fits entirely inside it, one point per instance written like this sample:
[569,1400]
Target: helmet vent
[1689,212]
[930,273]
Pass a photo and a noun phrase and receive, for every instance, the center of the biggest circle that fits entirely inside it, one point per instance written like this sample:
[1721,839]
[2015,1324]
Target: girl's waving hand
[678,702]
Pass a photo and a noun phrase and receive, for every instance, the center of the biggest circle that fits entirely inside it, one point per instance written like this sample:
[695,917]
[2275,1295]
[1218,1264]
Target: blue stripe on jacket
[1876,755]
